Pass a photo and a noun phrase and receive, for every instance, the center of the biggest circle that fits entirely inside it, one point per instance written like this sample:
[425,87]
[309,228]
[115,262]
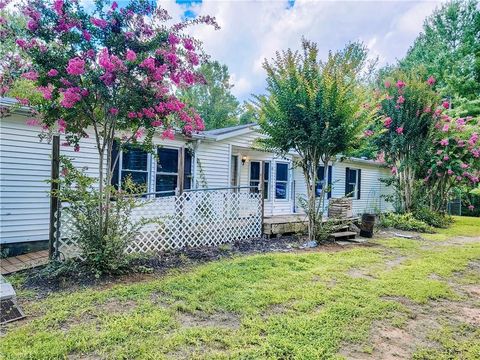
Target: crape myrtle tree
[407,112]
[315,108]
[110,70]
[454,159]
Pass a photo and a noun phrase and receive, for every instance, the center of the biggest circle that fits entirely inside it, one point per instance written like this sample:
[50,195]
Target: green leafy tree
[449,49]
[314,108]
[213,99]
[248,114]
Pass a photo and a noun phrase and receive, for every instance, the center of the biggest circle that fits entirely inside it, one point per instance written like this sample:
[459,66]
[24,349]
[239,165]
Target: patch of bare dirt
[359,274]
[390,342]
[223,320]
[454,241]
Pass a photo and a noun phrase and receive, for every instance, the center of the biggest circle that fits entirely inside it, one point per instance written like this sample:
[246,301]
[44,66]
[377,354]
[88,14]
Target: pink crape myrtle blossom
[399,130]
[102,24]
[52,72]
[58,7]
[76,66]
[400,100]
[445,128]
[473,139]
[471,207]
[394,170]
[431,81]
[62,125]
[131,56]
[70,97]
[446,105]
[46,91]
[400,84]
[368,133]
[31,75]
[168,134]
[387,122]
[444,142]
[139,134]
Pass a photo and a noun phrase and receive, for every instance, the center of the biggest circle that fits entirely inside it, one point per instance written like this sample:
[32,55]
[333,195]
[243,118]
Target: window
[132,163]
[321,181]
[138,164]
[255,177]
[167,171]
[281,181]
[352,183]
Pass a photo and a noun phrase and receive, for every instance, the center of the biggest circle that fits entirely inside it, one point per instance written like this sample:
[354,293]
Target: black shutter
[329,195]
[115,170]
[347,176]
[359,182]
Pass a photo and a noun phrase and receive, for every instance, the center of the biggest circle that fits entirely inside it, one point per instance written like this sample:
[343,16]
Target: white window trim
[148,171]
[268,197]
[287,197]
[354,196]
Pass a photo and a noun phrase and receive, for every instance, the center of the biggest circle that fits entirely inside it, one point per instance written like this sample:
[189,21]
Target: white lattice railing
[198,218]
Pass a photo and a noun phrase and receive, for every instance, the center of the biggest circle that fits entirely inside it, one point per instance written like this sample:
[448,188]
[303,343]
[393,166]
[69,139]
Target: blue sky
[253,30]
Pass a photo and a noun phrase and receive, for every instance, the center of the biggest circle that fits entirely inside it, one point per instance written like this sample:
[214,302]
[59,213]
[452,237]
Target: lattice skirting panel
[200,218]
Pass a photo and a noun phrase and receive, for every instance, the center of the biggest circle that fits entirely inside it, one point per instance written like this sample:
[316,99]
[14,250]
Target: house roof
[227,132]
[10,102]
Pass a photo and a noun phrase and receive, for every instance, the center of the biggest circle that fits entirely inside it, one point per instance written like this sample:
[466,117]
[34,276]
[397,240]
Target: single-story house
[213,159]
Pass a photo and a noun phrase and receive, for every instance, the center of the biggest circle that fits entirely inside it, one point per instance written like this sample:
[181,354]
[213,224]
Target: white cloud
[254,30]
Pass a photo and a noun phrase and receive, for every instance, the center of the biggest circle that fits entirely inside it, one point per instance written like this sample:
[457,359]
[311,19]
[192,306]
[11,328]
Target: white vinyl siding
[25,166]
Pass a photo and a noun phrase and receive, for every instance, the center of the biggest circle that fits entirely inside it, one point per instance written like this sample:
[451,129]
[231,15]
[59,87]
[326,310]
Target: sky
[253,30]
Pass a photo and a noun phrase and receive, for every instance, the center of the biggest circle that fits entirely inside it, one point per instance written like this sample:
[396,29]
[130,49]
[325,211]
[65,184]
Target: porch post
[181,170]
[261,191]
[54,200]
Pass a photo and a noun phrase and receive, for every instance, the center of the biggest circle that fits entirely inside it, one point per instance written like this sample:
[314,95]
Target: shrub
[404,222]
[102,238]
[432,218]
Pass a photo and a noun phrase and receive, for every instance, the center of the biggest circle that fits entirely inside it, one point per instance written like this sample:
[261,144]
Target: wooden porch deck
[292,224]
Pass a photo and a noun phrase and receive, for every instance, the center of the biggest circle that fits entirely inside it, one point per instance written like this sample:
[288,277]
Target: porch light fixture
[244,159]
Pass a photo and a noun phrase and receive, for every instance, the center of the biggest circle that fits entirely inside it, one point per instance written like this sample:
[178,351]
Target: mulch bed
[45,280]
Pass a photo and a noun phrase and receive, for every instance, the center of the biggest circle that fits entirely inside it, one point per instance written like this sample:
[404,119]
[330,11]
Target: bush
[404,222]
[103,236]
[432,218]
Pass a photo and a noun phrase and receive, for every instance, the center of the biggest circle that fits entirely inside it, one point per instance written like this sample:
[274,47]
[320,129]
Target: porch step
[343,235]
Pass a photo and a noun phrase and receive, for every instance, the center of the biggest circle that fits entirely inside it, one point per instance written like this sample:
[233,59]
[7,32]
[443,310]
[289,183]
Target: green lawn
[356,302]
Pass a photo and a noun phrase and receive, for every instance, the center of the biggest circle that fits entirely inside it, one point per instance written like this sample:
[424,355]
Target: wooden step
[344,234]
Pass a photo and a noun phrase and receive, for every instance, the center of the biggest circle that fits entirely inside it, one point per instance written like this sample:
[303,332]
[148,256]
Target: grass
[307,305]
[464,226]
